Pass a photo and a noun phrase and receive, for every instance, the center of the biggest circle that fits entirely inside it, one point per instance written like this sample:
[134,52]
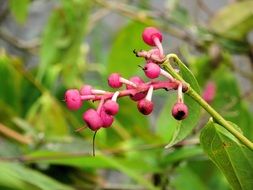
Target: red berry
[179,111]
[86,90]
[145,106]
[111,107]
[73,99]
[92,119]
[138,96]
[152,70]
[106,119]
[149,34]
[114,80]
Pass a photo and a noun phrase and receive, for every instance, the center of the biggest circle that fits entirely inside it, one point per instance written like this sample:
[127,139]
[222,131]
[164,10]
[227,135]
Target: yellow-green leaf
[235,20]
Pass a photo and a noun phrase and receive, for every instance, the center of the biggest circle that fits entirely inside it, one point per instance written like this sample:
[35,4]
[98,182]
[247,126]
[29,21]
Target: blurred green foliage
[39,148]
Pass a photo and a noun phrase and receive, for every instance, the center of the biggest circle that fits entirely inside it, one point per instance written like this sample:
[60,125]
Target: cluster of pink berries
[135,88]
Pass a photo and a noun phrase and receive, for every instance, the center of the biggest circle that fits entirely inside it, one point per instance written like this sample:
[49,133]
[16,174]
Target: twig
[30,46]
[205,8]
[95,17]
[193,94]
[14,135]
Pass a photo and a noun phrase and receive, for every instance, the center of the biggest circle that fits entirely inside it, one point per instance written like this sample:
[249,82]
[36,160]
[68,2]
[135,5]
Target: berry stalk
[142,88]
[192,93]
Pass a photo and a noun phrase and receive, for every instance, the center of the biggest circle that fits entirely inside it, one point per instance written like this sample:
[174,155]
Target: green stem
[191,92]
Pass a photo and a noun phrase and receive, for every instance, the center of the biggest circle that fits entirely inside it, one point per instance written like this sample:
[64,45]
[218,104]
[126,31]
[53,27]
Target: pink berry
[73,99]
[92,119]
[209,92]
[149,34]
[86,90]
[145,106]
[111,107]
[106,119]
[179,111]
[138,96]
[114,80]
[152,70]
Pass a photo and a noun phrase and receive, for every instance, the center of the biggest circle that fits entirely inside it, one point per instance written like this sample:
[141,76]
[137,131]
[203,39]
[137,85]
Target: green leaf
[234,108]
[132,168]
[232,158]
[10,90]
[166,123]
[19,9]
[183,153]
[46,115]
[17,176]
[61,42]
[240,24]
[186,179]
[200,67]
[185,127]
[121,58]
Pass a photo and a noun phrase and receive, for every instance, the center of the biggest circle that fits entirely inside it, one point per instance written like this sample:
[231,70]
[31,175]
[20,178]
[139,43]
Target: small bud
[145,106]
[92,119]
[149,34]
[114,80]
[152,70]
[111,107]
[106,118]
[179,111]
[73,99]
[86,90]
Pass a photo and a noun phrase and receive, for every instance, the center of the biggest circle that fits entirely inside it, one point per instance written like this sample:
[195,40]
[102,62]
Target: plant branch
[30,46]
[14,135]
[191,92]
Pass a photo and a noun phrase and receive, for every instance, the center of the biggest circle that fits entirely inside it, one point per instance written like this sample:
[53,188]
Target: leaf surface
[233,159]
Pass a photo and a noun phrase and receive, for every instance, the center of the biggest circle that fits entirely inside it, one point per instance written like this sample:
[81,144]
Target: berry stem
[150,92]
[180,93]
[87,97]
[158,45]
[192,93]
[100,105]
[125,81]
[167,75]
[96,91]
[142,88]
[115,96]
[93,144]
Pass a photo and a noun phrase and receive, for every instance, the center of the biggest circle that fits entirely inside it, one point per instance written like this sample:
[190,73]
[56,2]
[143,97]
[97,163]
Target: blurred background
[47,47]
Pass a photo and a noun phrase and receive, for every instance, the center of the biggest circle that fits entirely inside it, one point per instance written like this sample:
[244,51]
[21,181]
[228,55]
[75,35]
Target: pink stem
[115,96]
[158,45]
[96,91]
[102,100]
[168,85]
[167,75]
[87,97]
[125,81]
